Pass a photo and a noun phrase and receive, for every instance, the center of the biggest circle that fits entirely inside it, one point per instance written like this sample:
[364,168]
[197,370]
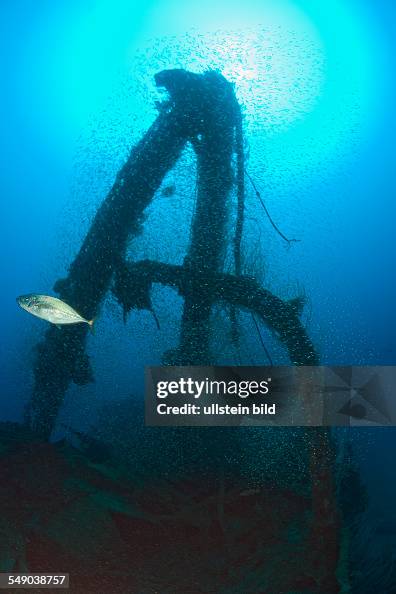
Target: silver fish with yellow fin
[52,309]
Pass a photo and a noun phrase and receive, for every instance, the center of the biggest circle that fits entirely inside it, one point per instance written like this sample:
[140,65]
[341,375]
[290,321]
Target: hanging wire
[193,212]
[240,184]
[261,339]
[289,241]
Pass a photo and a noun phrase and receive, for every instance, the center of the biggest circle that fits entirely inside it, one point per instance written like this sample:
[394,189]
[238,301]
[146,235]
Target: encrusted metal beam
[240,291]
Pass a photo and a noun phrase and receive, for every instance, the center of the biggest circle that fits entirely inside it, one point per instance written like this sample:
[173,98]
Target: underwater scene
[194,184]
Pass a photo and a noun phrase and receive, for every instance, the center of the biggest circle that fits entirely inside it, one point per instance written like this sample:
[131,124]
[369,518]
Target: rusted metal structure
[201,110]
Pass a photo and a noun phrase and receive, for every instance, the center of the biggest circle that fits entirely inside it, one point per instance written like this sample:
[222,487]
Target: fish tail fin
[91,324]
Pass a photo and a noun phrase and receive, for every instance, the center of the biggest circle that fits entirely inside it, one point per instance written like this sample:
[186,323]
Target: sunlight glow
[293,62]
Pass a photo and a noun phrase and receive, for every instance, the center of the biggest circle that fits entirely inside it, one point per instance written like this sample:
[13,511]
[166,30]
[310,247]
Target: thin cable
[240,192]
[289,241]
[261,340]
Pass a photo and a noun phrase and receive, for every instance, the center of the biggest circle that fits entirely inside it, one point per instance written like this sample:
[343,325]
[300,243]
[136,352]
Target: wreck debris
[243,292]
[202,110]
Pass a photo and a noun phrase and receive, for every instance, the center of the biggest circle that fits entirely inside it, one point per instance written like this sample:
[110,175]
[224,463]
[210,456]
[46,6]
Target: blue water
[316,81]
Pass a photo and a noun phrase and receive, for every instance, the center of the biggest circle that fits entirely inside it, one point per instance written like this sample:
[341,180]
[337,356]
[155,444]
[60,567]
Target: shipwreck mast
[202,110]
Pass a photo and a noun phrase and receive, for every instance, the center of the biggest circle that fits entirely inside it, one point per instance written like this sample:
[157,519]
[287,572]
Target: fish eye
[29,300]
